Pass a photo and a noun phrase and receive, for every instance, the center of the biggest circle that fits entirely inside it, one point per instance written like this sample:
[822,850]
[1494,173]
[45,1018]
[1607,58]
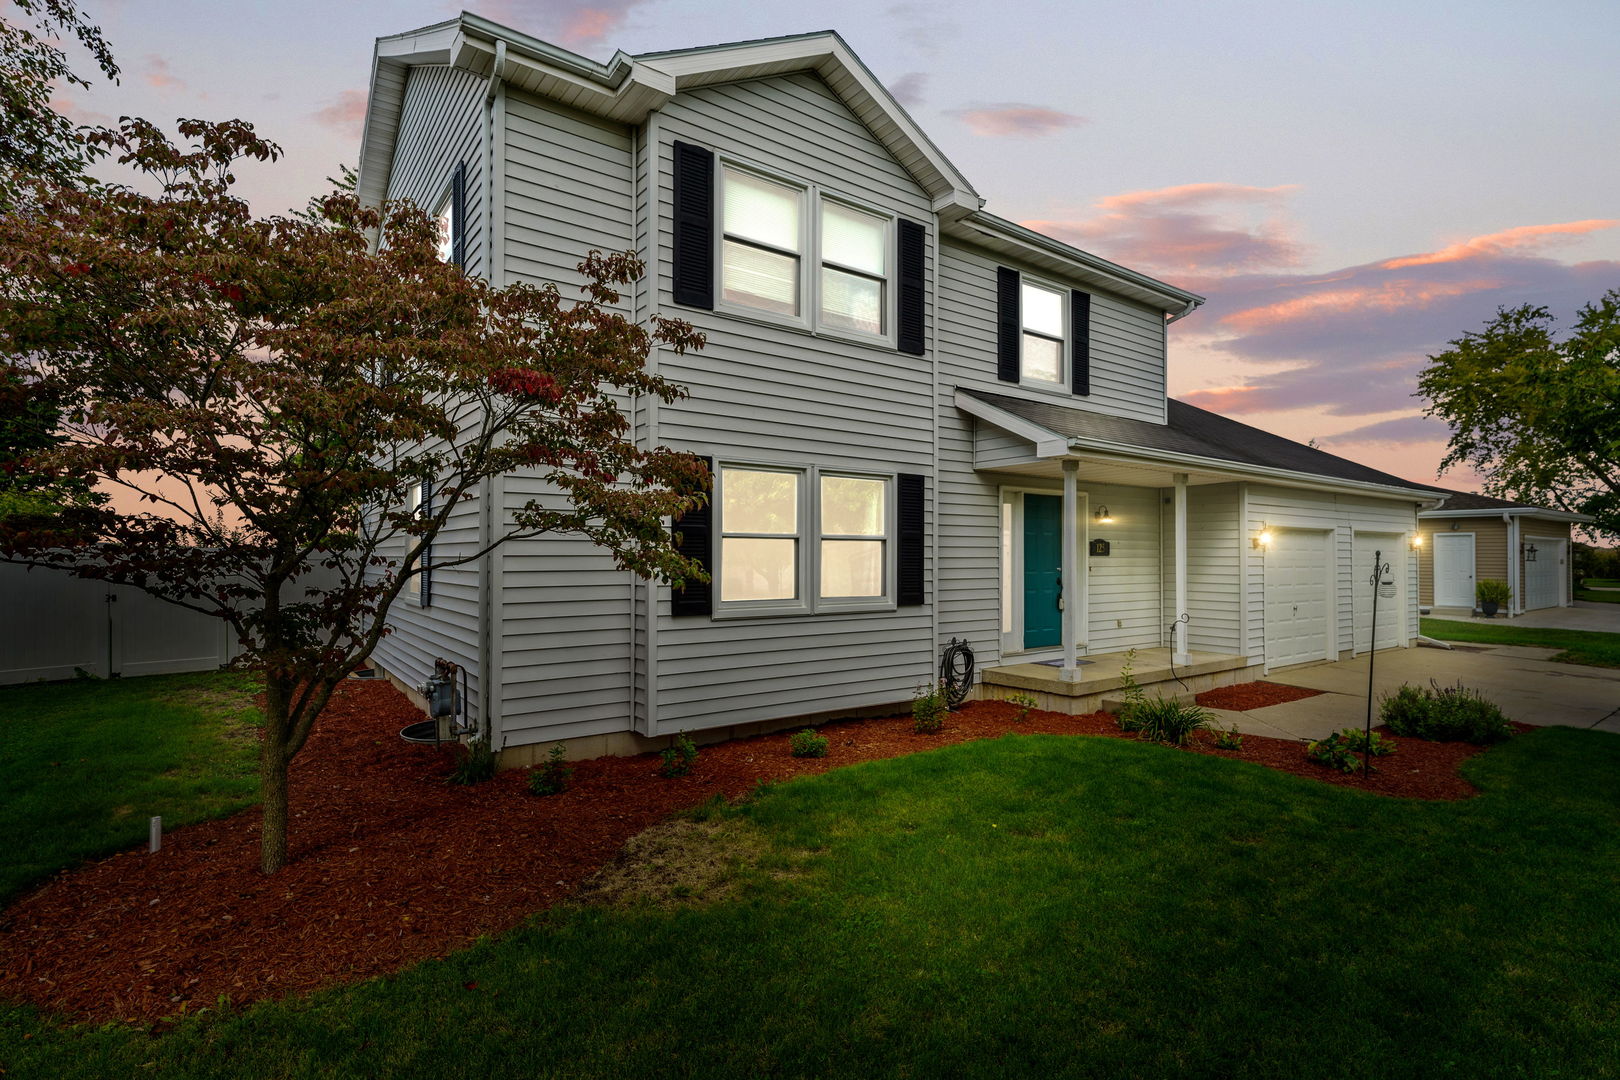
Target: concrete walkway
[1583,616]
[1523,681]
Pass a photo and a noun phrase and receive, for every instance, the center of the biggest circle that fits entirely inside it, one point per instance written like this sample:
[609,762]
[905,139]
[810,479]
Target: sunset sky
[1351,184]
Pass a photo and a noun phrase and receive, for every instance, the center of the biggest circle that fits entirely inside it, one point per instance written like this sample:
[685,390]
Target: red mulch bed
[1252,695]
[391,866]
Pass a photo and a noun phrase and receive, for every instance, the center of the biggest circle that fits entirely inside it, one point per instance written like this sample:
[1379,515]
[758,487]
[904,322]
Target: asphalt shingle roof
[1191,430]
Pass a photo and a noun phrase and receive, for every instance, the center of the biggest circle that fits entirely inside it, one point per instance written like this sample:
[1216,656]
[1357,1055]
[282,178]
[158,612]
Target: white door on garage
[1389,548]
[1454,570]
[1297,597]
[1544,571]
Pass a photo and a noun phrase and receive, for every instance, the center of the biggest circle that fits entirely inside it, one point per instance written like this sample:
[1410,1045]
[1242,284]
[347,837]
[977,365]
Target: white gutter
[1518,512]
[1192,306]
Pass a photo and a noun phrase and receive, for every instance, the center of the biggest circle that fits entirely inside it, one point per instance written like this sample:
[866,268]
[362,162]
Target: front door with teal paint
[1043,571]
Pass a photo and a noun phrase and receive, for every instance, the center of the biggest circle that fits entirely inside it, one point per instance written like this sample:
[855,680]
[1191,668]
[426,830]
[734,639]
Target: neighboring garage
[1475,537]
[1299,596]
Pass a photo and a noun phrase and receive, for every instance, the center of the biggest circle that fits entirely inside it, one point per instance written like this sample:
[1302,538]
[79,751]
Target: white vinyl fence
[53,625]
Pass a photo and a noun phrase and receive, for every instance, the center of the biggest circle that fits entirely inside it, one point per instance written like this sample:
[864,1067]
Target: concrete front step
[1116,705]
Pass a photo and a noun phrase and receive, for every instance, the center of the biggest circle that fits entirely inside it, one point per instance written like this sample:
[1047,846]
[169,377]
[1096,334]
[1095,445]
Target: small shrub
[1228,738]
[1363,742]
[554,776]
[807,743]
[1334,752]
[1444,714]
[1492,591]
[1025,702]
[1165,720]
[928,709]
[475,764]
[678,758]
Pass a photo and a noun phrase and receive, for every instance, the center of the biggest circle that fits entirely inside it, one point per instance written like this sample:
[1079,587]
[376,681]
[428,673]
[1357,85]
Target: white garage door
[1389,548]
[1544,571]
[1297,608]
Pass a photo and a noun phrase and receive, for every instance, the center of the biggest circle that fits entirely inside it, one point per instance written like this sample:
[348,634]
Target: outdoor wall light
[1417,541]
[1103,516]
[1262,539]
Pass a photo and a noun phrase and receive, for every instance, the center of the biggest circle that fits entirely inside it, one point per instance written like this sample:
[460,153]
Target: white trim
[1010,580]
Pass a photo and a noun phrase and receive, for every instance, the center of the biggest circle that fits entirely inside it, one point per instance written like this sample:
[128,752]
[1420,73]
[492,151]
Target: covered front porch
[1101,677]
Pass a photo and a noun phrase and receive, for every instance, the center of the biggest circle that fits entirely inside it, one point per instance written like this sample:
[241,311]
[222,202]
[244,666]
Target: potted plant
[1492,594]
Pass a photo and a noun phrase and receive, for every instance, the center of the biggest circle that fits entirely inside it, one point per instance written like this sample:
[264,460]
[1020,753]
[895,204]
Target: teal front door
[1043,571]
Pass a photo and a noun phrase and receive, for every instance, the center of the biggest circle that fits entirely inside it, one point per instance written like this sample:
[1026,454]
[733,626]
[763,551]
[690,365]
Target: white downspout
[493,488]
[1178,643]
[1071,568]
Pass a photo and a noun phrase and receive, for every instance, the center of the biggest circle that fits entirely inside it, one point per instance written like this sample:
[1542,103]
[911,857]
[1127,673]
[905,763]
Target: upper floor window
[770,229]
[1042,345]
[447,233]
[762,240]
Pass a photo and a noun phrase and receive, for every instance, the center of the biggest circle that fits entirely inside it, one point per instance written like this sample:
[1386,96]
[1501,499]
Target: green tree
[36,140]
[271,393]
[1535,411]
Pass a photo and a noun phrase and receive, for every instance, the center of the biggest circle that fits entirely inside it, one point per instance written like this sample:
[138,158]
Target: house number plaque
[1099,548]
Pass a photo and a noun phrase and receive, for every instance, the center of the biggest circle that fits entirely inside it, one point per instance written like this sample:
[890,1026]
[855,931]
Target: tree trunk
[273,791]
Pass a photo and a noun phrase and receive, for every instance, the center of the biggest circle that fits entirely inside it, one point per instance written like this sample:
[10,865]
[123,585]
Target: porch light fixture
[1262,539]
[1103,516]
[1417,541]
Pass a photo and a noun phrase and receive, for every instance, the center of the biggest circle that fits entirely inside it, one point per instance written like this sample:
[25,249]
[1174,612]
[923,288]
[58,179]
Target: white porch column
[1178,644]
[1071,568]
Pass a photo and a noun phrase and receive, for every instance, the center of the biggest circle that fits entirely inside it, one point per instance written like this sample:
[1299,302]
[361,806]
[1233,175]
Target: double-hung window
[803,540]
[1042,349]
[762,243]
[772,229]
[854,269]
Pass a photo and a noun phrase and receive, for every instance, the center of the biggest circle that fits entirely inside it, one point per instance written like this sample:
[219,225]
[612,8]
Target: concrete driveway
[1523,681]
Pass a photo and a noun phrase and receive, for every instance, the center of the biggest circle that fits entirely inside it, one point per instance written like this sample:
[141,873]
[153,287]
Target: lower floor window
[769,516]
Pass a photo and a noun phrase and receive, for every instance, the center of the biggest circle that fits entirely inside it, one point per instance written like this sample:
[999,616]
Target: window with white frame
[854,269]
[759,535]
[1041,356]
[854,537]
[768,524]
[771,229]
[445,219]
[761,243]
[413,547]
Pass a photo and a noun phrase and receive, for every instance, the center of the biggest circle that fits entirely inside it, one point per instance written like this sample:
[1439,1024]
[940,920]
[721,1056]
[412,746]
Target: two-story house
[925,422]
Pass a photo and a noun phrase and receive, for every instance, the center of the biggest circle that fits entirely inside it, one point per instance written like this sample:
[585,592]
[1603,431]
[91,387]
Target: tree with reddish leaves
[270,392]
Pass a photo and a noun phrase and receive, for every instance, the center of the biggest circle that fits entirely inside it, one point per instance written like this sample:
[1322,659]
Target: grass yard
[1591,647]
[1598,596]
[1027,906]
[1602,583]
[87,763]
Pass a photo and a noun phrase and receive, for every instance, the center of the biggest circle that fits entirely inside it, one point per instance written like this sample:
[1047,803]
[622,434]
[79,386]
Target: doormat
[1059,663]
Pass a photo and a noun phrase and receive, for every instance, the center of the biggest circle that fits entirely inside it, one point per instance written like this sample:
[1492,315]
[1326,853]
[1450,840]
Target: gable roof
[627,88]
[1193,432]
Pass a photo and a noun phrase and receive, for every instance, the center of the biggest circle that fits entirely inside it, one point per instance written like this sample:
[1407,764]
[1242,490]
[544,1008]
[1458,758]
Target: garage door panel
[1543,572]
[1390,548]
[1298,615]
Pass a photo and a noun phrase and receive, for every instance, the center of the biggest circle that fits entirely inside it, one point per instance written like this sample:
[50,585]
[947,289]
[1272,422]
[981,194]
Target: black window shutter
[458,215]
[694,226]
[694,538]
[913,329]
[909,554]
[1080,317]
[1009,324]
[424,551]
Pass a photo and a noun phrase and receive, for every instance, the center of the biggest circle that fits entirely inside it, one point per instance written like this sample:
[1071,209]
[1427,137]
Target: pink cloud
[158,75]
[1013,119]
[1380,297]
[346,114]
[571,23]
[1522,239]
[1189,230]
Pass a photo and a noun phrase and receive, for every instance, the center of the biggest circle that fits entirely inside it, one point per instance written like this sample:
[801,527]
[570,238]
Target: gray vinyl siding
[441,125]
[1214,568]
[763,393]
[1127,342]
[566,626]
[1343,516]
[1123,588]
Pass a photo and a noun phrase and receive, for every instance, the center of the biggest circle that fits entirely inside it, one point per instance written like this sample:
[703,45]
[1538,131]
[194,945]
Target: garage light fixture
[1262,539]
[1417,541]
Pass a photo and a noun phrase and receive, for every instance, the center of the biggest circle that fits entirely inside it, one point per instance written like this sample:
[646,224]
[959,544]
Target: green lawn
[1591,647]
[87,763]
[1597,596]
[1610,583]
[1032,906]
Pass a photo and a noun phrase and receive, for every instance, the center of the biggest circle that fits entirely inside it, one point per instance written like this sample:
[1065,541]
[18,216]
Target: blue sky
[1351,184]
